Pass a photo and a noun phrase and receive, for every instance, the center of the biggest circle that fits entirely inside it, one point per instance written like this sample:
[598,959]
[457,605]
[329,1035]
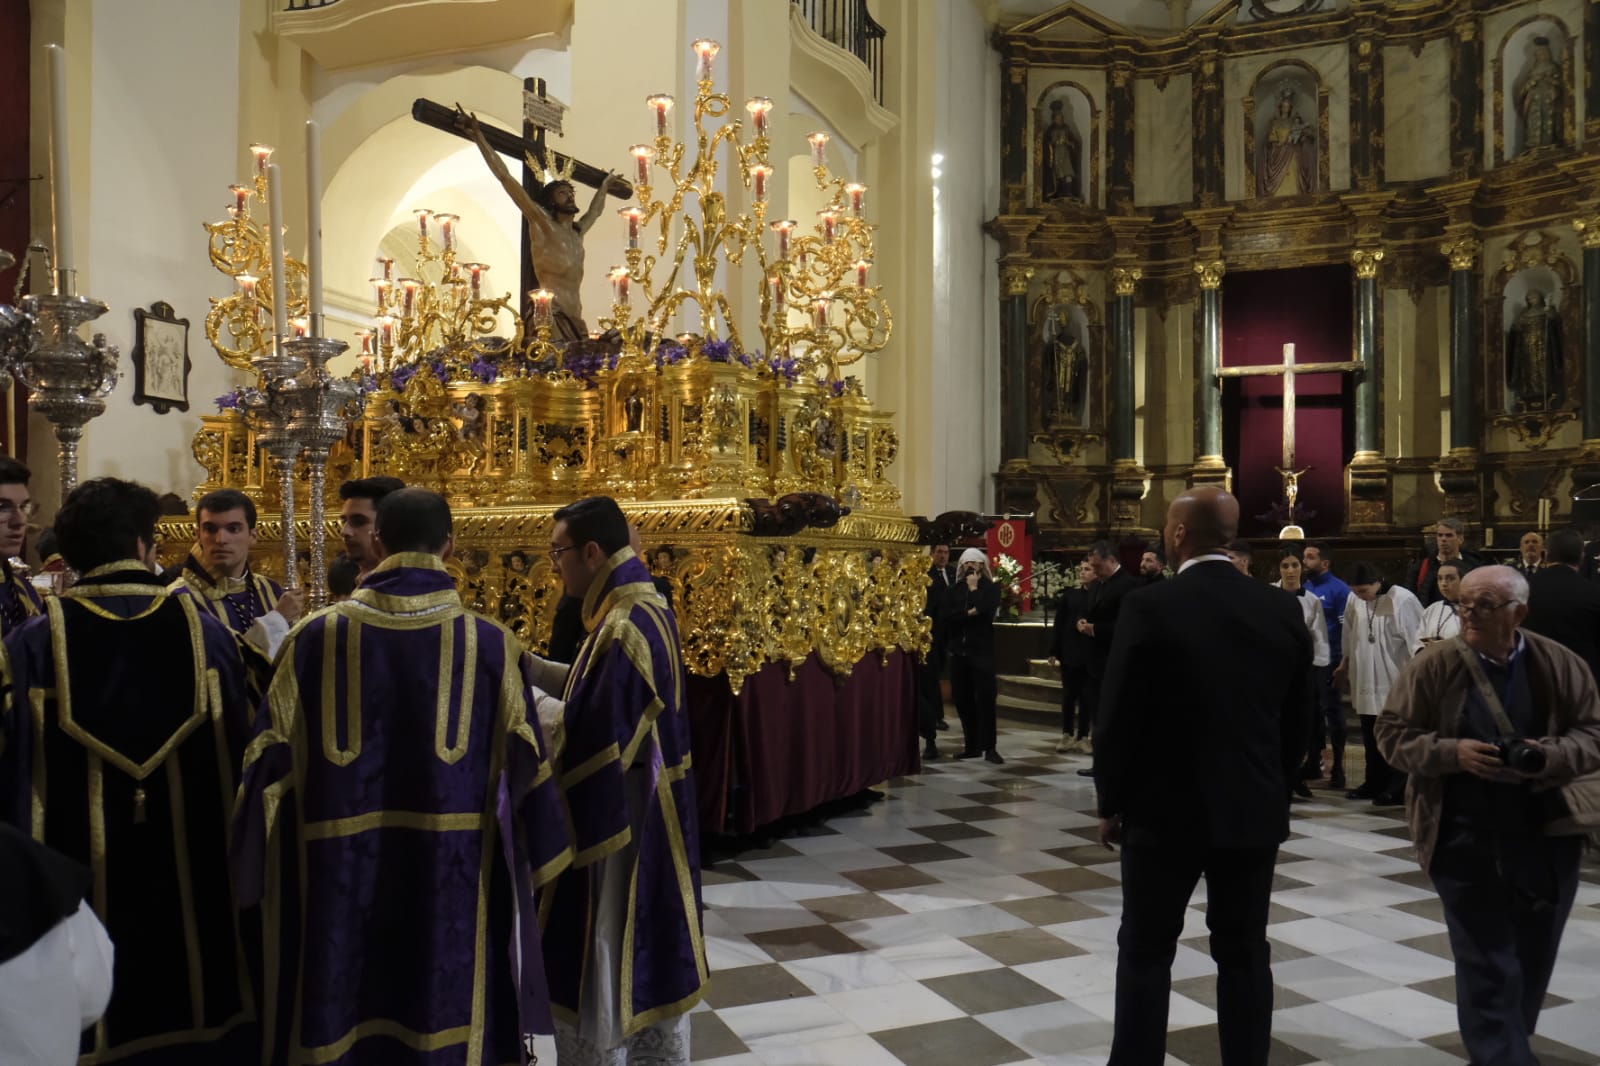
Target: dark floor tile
[1550,1053]
[1422,908]
[776,850]
[1049,910]
[1198,1046]
[1083,854]
[711,1038]
[744,985]
[920,853]
[1071,880]
[1017,947]
[1434,944]
[957,831]
[984,991]
[905,782]
[998,796]
[1281,882]
[1414,878]
[975,814]
[1444,988]
[804,942]
[1011,784]
[1024,770]
[726,873]
[958,1042]
[851,907]
[1203,990]
[885,878]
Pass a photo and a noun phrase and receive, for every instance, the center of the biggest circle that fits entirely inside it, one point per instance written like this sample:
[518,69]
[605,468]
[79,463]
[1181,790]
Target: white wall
[163,122]
[965,360]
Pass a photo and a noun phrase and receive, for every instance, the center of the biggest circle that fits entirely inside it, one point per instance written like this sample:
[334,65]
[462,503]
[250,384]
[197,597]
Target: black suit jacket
[1105,607]
[1205,709]
[971,635]
[1566,608]
[938,591]
[1066,643]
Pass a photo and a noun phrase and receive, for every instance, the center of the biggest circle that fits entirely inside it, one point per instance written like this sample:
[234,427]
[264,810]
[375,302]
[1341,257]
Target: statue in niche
[1067,366]
[1286,165]
[634,408]
[1534,360]
[1060,177]
[1539,99]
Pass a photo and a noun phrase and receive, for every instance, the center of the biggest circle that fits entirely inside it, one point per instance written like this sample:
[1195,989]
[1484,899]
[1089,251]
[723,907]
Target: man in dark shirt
[1561,604]
[1099,624]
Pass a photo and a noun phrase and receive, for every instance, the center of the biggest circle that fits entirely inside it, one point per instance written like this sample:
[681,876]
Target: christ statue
[555,238]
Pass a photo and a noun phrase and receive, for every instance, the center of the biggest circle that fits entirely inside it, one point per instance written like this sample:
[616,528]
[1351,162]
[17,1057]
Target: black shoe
[1301,791]
[1388,799]
[1365,792]
[1336,780]
[993,756]
[941,725]
[968,754]
[930,752]
[1086,773]
[1311,771]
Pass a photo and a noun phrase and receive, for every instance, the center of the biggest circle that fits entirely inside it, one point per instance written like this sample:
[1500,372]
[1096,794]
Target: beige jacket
[1418,727]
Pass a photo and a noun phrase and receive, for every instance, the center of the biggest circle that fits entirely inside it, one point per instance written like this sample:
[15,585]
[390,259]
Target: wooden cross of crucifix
[1289,370]
[538,112]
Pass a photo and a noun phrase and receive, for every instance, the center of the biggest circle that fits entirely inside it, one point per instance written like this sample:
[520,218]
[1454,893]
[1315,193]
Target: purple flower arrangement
[239,399]
[787,369]
[483,370]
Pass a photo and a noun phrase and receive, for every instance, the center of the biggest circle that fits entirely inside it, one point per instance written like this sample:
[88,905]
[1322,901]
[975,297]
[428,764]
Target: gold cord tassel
[138,806]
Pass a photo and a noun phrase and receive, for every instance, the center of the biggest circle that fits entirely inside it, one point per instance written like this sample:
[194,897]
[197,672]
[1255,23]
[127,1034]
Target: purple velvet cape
[625,707]
[232,611]
[397,729]
[120,747]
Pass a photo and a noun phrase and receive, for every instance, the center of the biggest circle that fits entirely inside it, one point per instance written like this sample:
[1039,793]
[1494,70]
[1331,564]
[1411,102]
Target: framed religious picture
[161,358]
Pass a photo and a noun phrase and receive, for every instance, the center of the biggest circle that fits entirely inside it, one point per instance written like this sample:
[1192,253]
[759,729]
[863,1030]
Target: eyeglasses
[1481,610]
[8,509]
[555,553]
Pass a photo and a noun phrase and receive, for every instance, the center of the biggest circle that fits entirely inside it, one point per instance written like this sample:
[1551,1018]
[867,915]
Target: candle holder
[267,410]
[69,378]
[321,408]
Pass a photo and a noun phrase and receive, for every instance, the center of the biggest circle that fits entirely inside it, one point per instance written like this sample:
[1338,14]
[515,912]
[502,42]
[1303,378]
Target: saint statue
[1059,154]
[554,237]
[1068,366]
[634,407]
[1539,99]
[1286,165]
[1534,362]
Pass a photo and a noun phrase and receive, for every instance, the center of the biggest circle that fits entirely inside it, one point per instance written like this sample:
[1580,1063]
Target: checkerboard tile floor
[970,919]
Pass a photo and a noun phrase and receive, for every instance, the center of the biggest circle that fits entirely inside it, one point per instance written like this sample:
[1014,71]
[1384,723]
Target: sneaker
[993,756]
[1086,745]
[1067,744]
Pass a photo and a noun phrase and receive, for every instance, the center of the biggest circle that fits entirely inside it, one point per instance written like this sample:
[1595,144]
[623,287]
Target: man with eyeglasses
[18,599]
[621,928]
[1493,727]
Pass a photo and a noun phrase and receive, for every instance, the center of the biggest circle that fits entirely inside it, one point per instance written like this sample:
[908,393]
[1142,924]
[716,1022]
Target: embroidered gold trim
[336,828]
[177,810]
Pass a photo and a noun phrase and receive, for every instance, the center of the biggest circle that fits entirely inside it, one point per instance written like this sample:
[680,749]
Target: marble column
[1466,94]
[1588,227]
[1014,137]
[1208,167]
[1368,382]
[1210,466]
[1463,252]
[1119,134]
[1124,280]
[1591,62]
[1014,366]
[1366,100]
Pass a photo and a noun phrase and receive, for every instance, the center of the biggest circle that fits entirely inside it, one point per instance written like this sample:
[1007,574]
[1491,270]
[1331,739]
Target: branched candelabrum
[269,410]
[701,242]
[444,306]
[823,276]
[239,325]
[69,378]
[323,406]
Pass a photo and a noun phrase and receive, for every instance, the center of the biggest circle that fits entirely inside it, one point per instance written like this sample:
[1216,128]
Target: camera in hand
[1522,756]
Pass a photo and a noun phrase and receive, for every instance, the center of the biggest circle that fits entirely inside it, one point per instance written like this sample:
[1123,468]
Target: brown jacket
[1418,727]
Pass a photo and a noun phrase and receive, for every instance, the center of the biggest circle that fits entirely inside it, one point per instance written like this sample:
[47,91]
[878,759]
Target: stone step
[1042,669]
[1029,687]
[1039,714]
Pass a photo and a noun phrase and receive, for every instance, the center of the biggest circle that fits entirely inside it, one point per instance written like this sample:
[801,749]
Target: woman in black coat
[969,612]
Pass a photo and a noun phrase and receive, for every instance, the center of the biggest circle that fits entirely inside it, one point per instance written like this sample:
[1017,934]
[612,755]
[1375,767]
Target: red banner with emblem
[1009,536]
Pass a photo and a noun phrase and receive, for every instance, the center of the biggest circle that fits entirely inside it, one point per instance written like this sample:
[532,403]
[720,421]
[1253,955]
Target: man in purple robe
[397,814]
[218,573]
[19,601]
[120,747]
[621,929]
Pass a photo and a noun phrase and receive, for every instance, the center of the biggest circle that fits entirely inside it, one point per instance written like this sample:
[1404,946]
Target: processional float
[755,467]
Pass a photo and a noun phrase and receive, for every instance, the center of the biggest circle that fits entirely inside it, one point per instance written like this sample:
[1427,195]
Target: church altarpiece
[1490,245]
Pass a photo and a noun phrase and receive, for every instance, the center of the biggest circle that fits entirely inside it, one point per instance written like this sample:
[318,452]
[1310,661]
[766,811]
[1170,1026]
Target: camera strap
[1486,691]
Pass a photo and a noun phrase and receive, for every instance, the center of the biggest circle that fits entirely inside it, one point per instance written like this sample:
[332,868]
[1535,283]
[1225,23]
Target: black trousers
[1327,718]
[1074,685]
[1381,777]
[972,685]
[930,701]
[1159,873]
[1506,902]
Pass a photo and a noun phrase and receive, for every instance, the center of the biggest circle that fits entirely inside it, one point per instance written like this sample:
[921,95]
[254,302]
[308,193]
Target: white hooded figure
[969,613]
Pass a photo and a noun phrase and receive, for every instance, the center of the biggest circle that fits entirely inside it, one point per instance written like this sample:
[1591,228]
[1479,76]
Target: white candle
[280,298]
[314,225]
[60,172]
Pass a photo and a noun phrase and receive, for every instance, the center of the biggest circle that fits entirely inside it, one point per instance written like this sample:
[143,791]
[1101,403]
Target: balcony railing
[847,24]
[308,5]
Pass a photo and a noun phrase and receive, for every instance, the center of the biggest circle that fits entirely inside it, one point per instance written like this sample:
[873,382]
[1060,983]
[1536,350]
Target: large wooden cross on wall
[1289,369]
[537,105]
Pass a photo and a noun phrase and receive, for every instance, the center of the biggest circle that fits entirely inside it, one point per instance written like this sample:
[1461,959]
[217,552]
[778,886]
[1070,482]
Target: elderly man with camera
[1494,727]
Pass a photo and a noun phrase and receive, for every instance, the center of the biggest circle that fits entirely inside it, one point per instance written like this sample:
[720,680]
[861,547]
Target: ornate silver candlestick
[269,412]
[324,407]
[68,377]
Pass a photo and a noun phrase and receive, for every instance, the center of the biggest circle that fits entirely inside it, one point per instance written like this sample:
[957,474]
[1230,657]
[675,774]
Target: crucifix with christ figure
[1288,370]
